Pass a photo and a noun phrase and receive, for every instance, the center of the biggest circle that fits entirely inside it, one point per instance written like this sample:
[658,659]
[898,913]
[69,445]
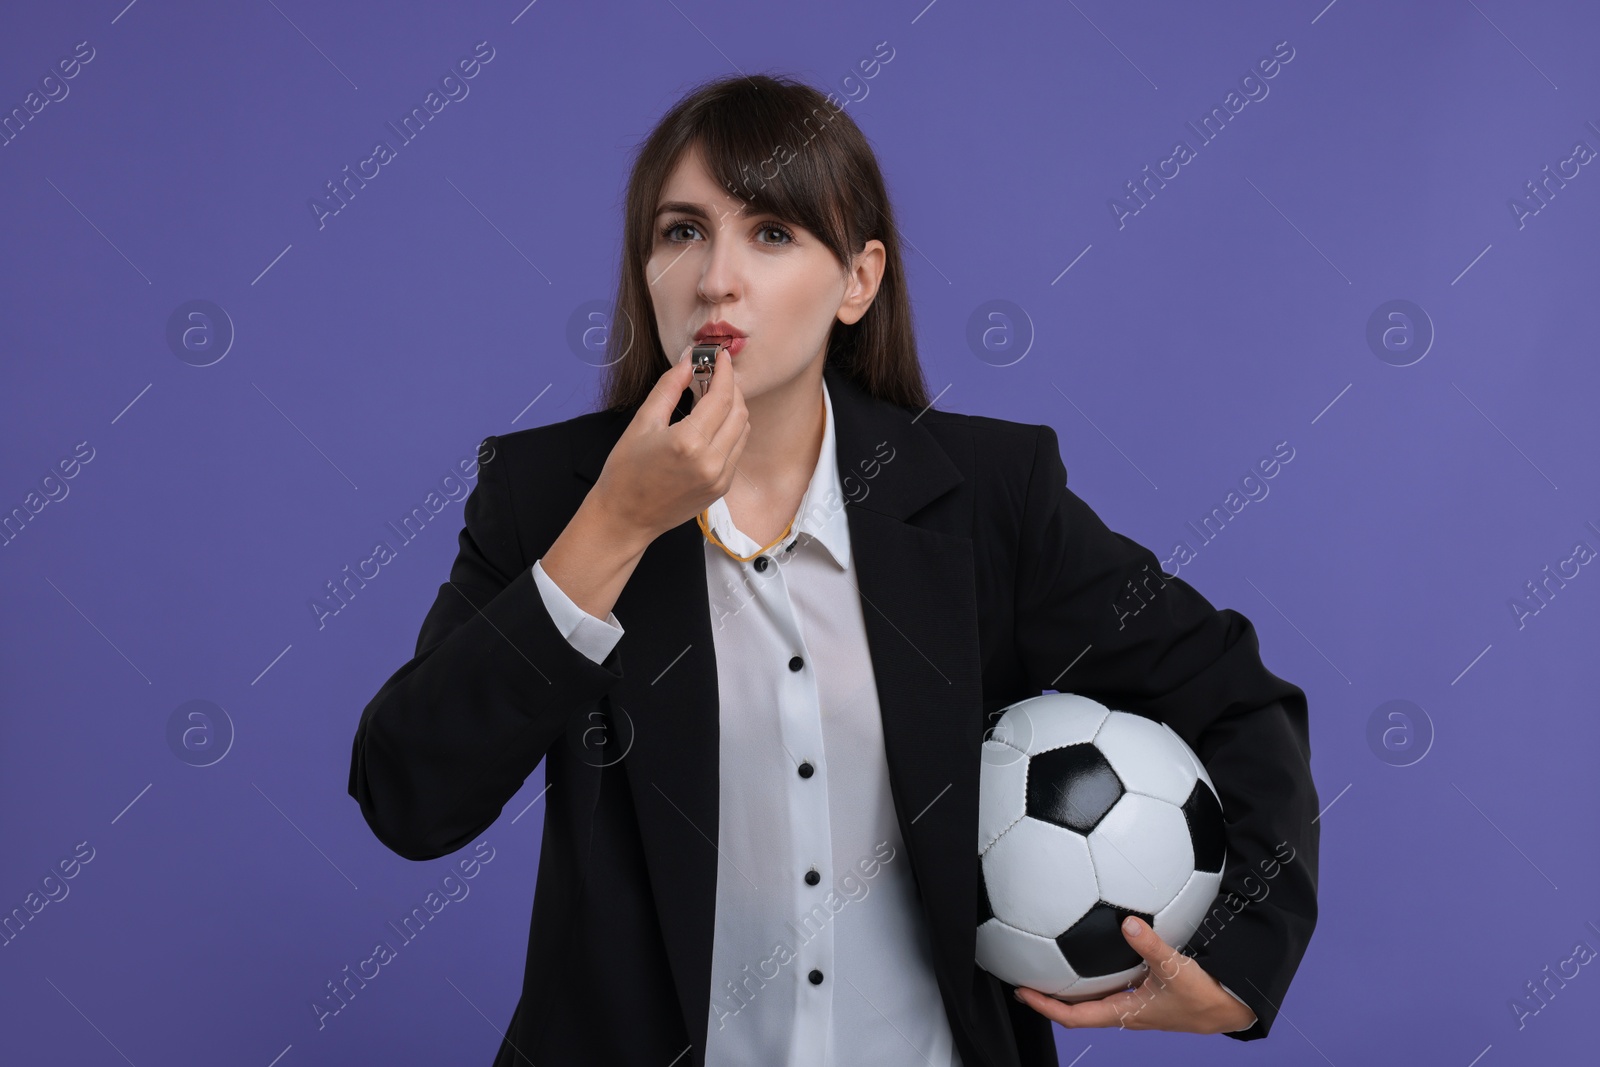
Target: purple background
[1227,315]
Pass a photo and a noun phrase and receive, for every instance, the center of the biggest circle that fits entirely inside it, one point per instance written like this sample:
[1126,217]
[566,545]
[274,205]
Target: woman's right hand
[661,474]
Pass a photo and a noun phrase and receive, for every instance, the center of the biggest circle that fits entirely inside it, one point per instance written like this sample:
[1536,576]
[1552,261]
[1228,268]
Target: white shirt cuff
[1240,999]
[583,631]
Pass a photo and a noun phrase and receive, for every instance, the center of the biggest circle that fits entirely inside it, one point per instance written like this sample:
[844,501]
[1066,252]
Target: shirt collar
[821,514]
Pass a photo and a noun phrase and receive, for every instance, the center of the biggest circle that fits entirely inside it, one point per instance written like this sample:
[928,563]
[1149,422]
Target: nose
[720,270]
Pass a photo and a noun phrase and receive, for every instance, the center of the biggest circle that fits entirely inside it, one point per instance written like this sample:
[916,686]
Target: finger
[729,438]
[664,395]
[735,420]
[1166,962]
[734,432]
[730,442]
[1106,1011]
[721,380]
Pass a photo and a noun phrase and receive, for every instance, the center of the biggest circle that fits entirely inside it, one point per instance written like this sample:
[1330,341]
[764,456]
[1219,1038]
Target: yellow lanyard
[714,539]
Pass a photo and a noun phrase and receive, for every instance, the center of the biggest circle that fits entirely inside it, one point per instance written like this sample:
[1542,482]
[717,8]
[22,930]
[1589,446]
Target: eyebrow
[687,208]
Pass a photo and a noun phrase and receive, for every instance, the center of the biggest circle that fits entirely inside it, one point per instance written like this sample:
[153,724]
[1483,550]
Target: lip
[722,333]
[719,329]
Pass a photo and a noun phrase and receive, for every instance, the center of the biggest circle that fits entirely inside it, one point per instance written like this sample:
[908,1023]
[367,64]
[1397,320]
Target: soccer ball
[1085,816]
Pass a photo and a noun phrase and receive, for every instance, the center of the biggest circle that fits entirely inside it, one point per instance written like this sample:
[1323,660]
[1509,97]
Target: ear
[862,281]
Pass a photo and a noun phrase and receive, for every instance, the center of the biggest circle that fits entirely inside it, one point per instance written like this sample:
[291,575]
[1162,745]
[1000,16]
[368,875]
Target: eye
[667,232]
[773,227]
[671,228]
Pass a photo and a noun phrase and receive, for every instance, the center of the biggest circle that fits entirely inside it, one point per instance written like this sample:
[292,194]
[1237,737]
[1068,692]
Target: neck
[786,427]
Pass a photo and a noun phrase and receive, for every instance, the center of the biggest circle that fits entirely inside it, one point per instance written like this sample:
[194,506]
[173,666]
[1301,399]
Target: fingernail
[1132,926]
[1018,994]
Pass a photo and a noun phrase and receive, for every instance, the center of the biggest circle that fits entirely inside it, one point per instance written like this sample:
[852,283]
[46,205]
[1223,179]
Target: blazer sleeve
[453,734]
[1096,615]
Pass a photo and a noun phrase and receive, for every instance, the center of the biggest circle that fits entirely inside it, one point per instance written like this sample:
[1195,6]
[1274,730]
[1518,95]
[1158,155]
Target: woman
[762,801]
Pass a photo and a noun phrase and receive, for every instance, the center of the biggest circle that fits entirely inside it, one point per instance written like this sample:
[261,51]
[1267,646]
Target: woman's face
[767,278]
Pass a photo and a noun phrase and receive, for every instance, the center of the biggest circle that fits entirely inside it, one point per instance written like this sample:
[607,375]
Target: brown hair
[827,180]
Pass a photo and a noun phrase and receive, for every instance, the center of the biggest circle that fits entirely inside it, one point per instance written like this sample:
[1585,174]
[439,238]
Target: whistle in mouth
[704,358]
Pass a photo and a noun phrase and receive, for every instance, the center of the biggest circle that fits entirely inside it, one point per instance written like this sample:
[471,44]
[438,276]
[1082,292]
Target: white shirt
[860,929]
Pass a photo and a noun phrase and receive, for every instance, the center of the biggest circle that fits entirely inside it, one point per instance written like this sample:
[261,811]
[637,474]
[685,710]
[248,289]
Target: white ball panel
[1021,958]
[1148,756]
[1040,877]
[1142,853]
[1095,988]
[1002,791]
[1050,720]
[1177,922]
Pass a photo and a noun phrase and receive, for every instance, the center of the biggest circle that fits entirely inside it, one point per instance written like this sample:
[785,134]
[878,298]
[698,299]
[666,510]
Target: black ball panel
[1095,944]
[985,912]
[1073,786]
[1207,831]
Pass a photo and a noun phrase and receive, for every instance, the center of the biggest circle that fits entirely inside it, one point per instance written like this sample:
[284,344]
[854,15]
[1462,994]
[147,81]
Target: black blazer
[983,580]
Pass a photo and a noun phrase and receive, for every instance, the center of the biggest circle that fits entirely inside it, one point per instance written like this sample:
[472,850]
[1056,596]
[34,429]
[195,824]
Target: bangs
[769,152]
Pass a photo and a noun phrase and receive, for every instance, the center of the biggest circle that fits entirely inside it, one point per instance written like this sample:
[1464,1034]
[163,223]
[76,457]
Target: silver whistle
[704,358]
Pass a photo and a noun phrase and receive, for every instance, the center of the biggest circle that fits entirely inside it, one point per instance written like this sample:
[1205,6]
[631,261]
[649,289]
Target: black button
[806,770]
[815,976]
[761,563]
[812,877]
[790,548]
[796,663]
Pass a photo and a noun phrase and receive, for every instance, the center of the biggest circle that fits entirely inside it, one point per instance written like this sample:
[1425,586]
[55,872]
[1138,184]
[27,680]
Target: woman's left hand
[1176,994]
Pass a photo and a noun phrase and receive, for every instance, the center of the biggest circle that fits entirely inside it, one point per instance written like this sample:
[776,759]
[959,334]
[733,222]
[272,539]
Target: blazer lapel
[919,603]
[920,610]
